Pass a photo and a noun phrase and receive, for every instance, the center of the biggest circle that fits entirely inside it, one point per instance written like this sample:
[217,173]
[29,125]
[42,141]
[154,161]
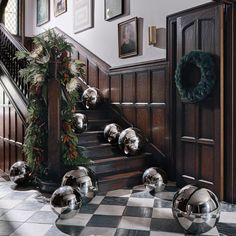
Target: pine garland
[36,74]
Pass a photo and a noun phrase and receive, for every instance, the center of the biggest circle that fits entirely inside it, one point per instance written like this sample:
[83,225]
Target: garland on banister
[36,74]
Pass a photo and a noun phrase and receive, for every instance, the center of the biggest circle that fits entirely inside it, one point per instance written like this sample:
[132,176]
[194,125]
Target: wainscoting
[11,133]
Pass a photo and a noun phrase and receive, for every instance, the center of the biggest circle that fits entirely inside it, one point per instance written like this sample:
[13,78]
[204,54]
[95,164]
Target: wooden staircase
[113,169]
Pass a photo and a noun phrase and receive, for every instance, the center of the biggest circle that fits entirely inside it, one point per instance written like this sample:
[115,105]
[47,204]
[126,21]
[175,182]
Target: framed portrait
[128,38]
[43,12]
[83,15]
[60,6]
[113,8]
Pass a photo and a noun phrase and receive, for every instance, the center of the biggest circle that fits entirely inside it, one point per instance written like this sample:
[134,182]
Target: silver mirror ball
[112,132]
[66,202]
[84,180]
[20,173]
[91,97]
[80,122]
[131,141]
[197,210]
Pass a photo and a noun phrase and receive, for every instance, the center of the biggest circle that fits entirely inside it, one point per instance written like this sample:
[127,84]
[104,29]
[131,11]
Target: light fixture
[152,35]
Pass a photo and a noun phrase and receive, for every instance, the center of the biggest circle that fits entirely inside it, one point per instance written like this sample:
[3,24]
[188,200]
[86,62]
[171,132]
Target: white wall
[102,40]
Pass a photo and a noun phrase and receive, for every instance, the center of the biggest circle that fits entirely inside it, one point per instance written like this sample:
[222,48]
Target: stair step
[124,180]
[98,125]
[96,114]
[91,138]
[101,151]
[119,164]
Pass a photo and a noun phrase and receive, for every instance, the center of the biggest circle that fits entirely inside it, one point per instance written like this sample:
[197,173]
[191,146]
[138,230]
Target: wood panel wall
[11,133]
[141,94]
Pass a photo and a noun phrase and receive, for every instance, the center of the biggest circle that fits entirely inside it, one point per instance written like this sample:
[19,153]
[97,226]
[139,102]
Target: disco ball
[112,132]
[80,122]
[155,179]
[131,141]
[20,173]
[66,202]
[91,97]
[197,210]
[84,180]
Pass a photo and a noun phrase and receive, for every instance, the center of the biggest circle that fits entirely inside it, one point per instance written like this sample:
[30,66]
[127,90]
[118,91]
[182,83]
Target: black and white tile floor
[124,212]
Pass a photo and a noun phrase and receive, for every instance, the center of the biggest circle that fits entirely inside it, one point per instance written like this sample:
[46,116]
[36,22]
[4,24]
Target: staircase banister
[11,38]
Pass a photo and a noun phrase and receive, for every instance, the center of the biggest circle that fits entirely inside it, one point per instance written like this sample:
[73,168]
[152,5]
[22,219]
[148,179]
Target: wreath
[36,75]
[205,63]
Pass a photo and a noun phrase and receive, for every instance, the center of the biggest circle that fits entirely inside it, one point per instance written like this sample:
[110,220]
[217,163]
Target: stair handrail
[10,80]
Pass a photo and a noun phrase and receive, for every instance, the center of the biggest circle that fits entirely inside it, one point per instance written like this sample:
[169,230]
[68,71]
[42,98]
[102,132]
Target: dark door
[199,126]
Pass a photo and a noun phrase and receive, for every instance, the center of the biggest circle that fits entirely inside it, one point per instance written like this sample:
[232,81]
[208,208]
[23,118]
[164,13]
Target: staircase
[112,168]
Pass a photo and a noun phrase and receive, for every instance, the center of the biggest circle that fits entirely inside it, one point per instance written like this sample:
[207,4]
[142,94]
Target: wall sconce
[152,35]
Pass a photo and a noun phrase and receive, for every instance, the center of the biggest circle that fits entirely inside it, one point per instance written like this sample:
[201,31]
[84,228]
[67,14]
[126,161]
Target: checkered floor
[122,212]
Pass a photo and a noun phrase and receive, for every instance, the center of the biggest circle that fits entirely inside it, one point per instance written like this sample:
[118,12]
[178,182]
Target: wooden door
[199,126]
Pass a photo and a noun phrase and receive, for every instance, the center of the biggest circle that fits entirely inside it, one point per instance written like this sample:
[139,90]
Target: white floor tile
[29,229]
[228,217]
[160,233]
[119,193]
[92,231]
[96,200]
[140,202]
[79,220]
[8,204]
[17,215]
[46,208]
[137,223]
[163,213]
[110,210]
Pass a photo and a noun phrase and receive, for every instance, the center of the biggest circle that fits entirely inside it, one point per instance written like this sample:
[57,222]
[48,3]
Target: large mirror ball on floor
[197,210]
[84,180]
[112,133]
[20,173]
[155,179]
[66,202]
[80,122]
[91,97]
[131,141]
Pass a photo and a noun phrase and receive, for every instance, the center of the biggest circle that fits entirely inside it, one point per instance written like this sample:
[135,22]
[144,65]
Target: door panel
[198,125]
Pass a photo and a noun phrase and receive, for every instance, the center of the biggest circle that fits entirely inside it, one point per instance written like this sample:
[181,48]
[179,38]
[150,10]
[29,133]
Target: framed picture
[83,15]
[113,8]
[60,6]
[128,38]
[43,11]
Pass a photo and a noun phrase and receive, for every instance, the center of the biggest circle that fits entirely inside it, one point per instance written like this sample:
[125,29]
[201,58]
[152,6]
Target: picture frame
[60,7]
[113,9]
[43,12]
[128,38]
[83,15]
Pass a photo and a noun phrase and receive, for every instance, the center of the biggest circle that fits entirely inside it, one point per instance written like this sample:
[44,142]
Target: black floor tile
[128,232]
[165,225]
[121,201]
[70,229]
[104,221]
[159,203]
[227,229]
[88,208]
[138,211]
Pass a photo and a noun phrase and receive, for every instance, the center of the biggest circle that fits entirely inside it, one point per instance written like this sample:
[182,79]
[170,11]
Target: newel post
[54,121]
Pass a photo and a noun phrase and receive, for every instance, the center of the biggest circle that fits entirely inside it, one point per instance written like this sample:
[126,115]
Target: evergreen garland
[205,63]
[36,75]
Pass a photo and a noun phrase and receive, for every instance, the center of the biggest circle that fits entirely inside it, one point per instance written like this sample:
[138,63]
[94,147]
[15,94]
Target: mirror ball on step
[131,141]
[112,133]
[80,122]
[197,210]
[91,97]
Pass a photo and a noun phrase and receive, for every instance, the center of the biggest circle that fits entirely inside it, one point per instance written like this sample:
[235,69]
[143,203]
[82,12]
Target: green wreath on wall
[205,62]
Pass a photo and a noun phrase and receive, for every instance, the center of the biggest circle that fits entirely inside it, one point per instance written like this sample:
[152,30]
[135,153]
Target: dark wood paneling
[11,133]
[141,93]
[198,133]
